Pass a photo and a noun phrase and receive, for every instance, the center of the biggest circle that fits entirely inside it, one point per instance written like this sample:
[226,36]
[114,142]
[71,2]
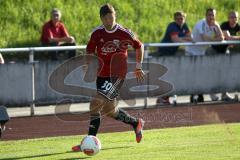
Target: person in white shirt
[205,30]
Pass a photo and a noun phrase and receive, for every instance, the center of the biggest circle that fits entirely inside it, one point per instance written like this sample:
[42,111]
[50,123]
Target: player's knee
[96,106]
[95,109]
[110,112]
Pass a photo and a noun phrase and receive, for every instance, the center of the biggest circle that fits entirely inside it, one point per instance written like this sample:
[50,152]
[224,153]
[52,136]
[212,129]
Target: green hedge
[21,20]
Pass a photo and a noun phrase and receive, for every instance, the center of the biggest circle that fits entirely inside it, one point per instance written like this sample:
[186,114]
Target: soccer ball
[90,145]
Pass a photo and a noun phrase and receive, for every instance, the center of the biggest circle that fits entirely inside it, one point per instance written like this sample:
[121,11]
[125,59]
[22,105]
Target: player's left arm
[139,59]
[139,47]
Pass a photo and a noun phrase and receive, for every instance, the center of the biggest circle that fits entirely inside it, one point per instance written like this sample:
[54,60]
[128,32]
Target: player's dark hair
[105,9]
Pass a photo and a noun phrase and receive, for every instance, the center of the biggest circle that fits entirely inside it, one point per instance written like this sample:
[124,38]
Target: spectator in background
[54,33]
[230,29]
[205,30]
[177,31]
[1,59]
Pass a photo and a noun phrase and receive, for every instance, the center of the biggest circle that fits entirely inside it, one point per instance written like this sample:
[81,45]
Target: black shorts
[109,86]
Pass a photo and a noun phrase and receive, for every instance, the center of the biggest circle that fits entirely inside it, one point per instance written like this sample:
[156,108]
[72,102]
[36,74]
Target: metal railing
[190,44]
[32,50]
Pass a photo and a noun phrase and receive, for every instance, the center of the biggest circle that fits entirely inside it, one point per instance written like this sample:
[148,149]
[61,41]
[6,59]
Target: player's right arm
[90,50]
[139,59]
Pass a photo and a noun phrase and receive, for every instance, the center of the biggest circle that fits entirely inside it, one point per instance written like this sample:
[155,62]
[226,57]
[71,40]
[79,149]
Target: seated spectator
[1,59]
[177,31]
[205,30]
[54,33]
[230,29]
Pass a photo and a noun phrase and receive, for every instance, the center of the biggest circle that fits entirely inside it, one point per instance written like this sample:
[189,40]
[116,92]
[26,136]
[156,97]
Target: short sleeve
[201,27]
[64,31]
[136,43]
[187,28]
[91,46]
[224,26]
[172,29]
[238,26]
[46,33]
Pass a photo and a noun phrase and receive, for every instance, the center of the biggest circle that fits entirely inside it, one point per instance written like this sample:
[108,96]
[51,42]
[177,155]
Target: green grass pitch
[214,142]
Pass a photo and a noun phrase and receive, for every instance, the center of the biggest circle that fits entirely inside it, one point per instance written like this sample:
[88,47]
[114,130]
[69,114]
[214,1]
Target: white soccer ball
[90,145]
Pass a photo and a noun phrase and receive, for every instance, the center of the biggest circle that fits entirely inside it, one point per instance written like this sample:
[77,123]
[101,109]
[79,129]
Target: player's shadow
[44,155]
[74,158]
[110,148]
[53,154]
[77,158]
[103,149]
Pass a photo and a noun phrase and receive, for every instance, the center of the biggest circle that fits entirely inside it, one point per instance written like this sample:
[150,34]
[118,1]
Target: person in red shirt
[111,42]
[54,33]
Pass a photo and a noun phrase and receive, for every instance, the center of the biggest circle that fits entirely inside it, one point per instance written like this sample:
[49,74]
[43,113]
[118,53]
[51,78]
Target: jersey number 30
[106,86]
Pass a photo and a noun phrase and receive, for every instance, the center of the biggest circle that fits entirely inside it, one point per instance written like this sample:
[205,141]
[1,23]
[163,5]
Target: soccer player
[111,42]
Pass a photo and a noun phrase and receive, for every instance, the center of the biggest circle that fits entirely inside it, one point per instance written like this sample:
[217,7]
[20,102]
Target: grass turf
[215,142]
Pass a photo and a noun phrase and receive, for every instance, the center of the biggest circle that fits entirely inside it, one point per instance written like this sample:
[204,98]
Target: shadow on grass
[110,148]
[75,158]
[104,149]
[44,155]
[53,154]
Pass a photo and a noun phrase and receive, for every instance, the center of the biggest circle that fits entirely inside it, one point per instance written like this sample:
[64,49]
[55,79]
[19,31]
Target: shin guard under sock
[126,118]
[94,124]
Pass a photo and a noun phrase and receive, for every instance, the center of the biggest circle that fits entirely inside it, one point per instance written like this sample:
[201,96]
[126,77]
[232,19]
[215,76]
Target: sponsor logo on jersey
[115,45]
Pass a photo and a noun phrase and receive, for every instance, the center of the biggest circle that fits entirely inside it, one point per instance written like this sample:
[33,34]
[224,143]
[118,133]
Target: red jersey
[111,47]
[49,30]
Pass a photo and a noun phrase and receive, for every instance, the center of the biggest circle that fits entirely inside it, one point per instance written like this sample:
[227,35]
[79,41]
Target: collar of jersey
[112,30]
